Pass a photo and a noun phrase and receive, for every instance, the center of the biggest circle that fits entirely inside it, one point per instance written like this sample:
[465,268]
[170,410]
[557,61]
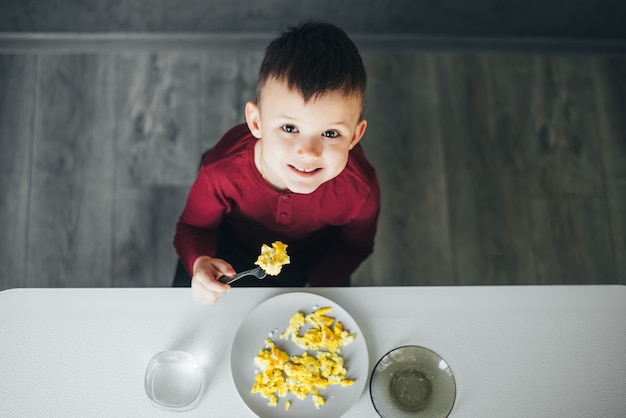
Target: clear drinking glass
[174,381]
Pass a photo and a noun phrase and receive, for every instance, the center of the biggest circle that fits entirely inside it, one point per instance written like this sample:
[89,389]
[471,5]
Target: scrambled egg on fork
[304,374]
[272,258]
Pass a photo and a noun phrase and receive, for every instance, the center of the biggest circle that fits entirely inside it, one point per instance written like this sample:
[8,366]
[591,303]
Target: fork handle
[232,279]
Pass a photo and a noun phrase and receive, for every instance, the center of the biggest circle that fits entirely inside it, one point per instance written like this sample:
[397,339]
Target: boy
[294,172]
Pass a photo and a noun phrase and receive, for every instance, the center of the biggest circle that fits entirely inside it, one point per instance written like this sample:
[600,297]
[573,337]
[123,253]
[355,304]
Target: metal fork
[258,272]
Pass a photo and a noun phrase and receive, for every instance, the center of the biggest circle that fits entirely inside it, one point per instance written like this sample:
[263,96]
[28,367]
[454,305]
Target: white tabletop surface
[527,351]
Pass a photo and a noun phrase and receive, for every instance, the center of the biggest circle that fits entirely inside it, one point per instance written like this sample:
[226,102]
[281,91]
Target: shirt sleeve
[352,245]
[198,225]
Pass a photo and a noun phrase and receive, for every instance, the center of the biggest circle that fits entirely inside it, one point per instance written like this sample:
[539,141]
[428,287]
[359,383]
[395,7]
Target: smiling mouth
[305,171]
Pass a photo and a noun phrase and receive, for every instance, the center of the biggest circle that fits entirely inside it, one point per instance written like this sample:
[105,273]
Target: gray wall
[556,19]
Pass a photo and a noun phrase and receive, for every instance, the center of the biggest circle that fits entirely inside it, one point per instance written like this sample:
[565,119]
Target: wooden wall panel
[563,154]
[158,119]
[609,81]
[617,224]
[18,91]
[71,212]
[144,234]
[403,142]
[228,82]
[483,113]
[571,241]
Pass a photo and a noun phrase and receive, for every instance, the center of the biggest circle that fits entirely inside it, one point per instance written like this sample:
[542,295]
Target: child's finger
[217,286]
[223,267]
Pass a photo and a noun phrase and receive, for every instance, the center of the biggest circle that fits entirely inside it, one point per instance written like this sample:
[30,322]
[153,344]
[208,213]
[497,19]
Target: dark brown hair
[314,58]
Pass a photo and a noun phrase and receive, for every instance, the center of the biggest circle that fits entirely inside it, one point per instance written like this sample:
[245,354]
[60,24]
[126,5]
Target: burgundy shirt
[340,215]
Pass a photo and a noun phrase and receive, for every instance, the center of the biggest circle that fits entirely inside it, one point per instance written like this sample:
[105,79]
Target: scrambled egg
[320,335]
[304,374]
[272,258]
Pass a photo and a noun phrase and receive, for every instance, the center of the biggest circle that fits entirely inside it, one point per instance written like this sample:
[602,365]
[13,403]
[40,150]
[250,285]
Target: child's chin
[303,189]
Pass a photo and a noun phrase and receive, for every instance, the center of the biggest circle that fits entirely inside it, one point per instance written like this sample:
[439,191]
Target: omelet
[307,373]
[273,258]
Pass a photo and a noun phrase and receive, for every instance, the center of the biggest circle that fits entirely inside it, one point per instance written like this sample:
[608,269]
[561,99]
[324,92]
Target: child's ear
[358,132]
[253,119]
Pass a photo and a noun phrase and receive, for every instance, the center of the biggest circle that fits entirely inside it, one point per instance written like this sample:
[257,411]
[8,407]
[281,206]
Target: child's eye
[331,134]
[289,129]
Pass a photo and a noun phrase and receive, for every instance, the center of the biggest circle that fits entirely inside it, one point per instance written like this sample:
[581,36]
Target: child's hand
[204,284]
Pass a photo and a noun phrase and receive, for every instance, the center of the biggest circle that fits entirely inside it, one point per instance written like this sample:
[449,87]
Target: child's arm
[193,245]
[196,241]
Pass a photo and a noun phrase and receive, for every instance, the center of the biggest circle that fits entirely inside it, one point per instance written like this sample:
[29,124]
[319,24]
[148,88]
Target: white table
[549,351]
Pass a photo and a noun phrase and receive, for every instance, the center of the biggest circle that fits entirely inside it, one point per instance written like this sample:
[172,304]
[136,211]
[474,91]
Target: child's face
[303,145]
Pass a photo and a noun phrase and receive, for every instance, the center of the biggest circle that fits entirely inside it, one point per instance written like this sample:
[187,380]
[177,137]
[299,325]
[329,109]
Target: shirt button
[284,215]
[285,197]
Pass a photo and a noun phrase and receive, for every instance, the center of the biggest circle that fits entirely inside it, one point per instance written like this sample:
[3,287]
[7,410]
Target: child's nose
[309,147]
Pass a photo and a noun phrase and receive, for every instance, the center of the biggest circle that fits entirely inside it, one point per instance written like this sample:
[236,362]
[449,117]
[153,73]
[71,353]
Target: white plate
[274,314]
